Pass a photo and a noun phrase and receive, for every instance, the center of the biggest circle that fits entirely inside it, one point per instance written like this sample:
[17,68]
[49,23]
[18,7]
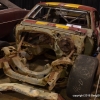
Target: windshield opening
[61,15]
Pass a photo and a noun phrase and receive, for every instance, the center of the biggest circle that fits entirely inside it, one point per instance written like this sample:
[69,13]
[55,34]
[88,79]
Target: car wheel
[81,77]
[3,44]
[9,38]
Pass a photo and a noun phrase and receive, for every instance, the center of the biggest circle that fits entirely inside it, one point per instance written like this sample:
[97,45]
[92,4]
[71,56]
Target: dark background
[28,4]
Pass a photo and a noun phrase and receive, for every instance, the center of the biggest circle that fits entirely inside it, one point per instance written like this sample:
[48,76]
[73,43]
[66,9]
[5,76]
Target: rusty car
[55,48]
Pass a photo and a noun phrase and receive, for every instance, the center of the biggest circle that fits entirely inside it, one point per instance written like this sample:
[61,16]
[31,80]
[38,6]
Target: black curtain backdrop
[28,4]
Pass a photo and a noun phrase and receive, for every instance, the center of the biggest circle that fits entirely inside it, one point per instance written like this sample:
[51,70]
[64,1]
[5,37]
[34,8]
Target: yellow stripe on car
[53,3]
[41,23]
[72,5]
[62,26]
[56,25]
[65,5]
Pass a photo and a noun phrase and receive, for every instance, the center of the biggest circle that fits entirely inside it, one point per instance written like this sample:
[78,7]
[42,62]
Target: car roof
[69,5]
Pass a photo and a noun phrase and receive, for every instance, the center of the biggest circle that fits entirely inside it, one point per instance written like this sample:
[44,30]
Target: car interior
[68,17]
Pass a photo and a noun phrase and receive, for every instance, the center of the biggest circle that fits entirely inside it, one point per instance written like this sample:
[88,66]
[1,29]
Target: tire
[9,38]
[81,77]
[3,44]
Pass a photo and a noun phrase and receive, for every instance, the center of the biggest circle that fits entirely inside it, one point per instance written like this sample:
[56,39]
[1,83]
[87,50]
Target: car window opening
[59,15]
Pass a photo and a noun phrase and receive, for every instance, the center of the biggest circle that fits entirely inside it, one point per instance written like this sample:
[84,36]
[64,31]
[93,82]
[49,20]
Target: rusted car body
[10,15]
[49,47]
[84,20]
